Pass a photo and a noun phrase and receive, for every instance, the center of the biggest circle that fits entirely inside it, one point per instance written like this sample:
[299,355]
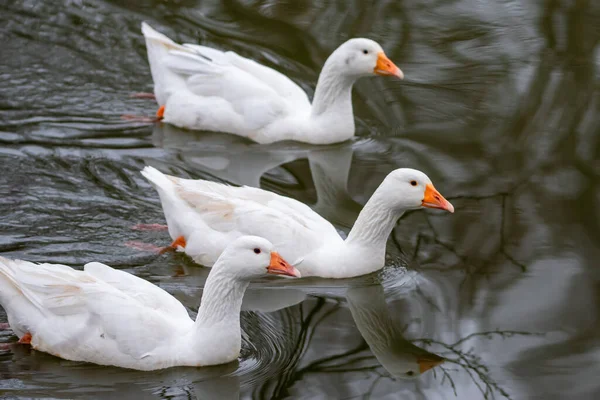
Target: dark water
[499,107]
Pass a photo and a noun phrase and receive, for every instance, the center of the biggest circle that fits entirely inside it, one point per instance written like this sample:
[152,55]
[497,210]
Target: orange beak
[433,199]
[425,364]
[279,266]
[385,67]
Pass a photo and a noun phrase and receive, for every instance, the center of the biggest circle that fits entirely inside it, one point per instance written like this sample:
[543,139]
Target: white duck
[204,216]
[202,88]
[109,317]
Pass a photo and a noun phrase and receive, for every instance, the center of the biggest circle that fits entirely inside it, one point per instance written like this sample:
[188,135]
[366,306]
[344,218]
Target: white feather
[143,291]
[209,215]
[208,89]
[110,317]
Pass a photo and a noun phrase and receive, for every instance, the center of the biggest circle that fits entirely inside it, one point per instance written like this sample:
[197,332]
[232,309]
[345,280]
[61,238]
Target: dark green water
[499,107]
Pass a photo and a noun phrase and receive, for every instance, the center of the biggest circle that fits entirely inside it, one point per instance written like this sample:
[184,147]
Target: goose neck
[333,93]
[221,300]
[374,223]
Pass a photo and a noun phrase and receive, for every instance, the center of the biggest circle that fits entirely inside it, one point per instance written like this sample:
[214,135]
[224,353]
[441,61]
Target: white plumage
[207,89]
[110,317]
[208,215]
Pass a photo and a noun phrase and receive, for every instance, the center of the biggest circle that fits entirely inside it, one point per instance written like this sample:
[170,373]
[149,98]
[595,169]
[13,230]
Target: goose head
[410,189]
[363,57]
[250,257]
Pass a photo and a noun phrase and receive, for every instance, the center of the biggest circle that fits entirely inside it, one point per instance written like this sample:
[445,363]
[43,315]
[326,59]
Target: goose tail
[158,47]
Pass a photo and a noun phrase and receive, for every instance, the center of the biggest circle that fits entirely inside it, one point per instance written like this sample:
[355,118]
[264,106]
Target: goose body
[201,88]
[109,317]
[203,216]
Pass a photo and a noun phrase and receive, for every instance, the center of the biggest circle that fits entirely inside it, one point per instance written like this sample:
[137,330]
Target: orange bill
[426,363]
[386,67]
[433,199]
[278,266]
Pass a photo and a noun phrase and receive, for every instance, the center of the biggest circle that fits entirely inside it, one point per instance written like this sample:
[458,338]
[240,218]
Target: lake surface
[499,107]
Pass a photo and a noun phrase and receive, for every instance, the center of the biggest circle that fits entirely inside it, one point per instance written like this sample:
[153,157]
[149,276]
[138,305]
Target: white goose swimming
[203,217]
[202,88]
[109,317]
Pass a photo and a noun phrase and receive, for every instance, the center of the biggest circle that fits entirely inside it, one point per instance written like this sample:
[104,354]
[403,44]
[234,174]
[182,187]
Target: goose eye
[413,183]
[365,51]
[410,373]
[257,250]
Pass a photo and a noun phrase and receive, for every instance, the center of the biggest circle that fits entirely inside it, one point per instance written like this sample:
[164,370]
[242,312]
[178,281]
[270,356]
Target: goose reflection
[61,376]
[398,356]
[227,157]
[242,162]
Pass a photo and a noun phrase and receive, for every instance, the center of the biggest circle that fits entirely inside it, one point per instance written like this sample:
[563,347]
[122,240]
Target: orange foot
[26,338]
[136,118]
[180,241]
[160,114]
[143,95]
[150,227]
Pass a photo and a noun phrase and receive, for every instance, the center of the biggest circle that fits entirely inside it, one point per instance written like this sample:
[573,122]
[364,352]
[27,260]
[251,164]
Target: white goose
[109,317]
[202,88]
[204,216]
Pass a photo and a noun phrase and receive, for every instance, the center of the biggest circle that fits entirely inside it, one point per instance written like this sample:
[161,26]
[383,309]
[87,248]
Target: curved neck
[216,336]
[221,300]
[374,223]
[333,93]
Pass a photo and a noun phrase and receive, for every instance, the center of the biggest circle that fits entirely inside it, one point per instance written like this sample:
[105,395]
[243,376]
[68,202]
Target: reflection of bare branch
[502,238]
[320,362]
[290,375]
[367,394]
[489,335]
[472,363]
[468,361]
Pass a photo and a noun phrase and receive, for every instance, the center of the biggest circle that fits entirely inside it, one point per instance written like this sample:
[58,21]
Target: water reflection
[28,373]
[397,355]
[301,338]
[239,161]
[499,105]
[227,157]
